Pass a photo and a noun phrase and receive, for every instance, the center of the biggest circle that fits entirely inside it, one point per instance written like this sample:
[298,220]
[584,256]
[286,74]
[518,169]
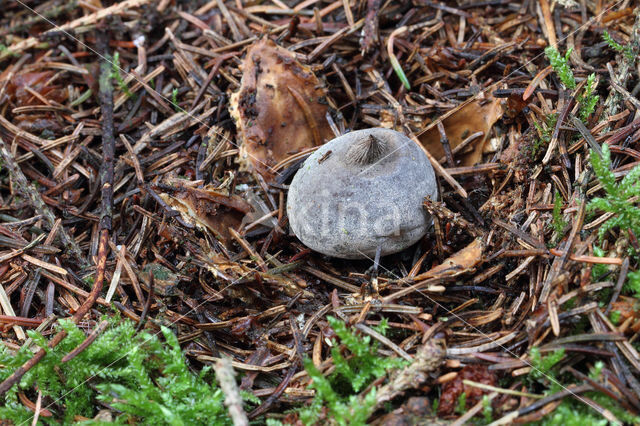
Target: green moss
[560,65]
[624,49]
[632,286]
[143,376]
[115,74]
[542,365]
[614,316]
[576,413]
[568,414]
[558,222]
[617,195]
[572,411]
[354,371]
[174,100]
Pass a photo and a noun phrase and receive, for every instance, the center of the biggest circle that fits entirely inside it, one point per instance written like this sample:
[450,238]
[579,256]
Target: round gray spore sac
[360,191]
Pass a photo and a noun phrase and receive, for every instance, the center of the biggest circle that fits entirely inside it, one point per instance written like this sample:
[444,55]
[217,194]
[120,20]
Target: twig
[232,399]
[85,344]
[618,288]
[548,22]
[370,30]
[586,134]
[34,422]
[147,303]
[106,95]
[444,140]
[214,70]
[277,392]
[558,263]
[428,358]
[108,142]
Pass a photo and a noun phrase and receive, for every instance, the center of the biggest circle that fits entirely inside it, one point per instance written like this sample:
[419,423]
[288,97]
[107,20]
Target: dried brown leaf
[208,209]
[279,110]
[477,116]
[461,261]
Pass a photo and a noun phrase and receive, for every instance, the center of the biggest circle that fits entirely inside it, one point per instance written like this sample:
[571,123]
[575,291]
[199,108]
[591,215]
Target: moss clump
[144,376]
[354,371]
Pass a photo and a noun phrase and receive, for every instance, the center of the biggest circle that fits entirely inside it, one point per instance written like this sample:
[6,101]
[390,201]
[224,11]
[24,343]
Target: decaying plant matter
[146,153]
[280,108]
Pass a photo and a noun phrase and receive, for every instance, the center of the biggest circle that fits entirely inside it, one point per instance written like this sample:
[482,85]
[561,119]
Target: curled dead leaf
[478,115]
[279,110]
[208,209]
[460,262]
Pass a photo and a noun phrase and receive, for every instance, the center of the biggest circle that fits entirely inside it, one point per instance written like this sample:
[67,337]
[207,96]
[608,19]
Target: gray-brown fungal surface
[360,191]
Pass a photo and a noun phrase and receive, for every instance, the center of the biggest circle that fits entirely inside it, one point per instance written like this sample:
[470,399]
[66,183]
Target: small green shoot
[115,74]
[461,405]
[487,409]
[434,405]
[558,222]
[618,196]
[626,50]
[588,100]
[82,98]
[338,392]
[174,99]
[598,269]
[546,132]
[399,72]
[4,51]
[560,65]
[595,372]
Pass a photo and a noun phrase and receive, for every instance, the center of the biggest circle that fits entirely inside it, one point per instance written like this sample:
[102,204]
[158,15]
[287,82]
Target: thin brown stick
[106,92]
[85,344]
[444,140]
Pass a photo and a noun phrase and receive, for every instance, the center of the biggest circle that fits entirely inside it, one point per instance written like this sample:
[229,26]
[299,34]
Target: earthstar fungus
[361,191]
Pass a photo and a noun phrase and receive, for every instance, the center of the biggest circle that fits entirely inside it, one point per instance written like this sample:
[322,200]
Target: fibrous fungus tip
[367,151]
